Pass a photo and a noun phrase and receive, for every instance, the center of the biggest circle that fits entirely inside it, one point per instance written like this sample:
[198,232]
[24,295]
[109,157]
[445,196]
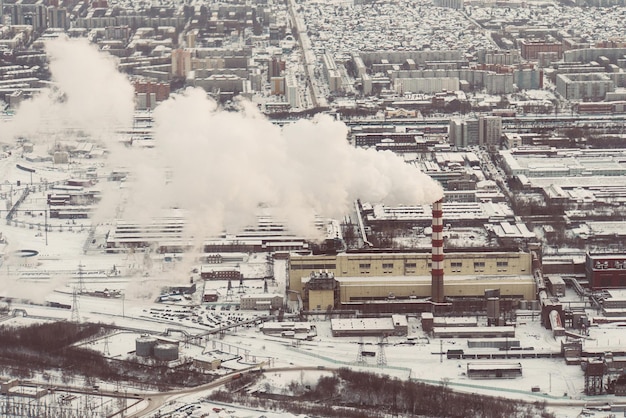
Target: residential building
[489,131]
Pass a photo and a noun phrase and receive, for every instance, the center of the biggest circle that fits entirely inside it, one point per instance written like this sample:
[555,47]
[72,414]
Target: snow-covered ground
[62,266]
[417,358]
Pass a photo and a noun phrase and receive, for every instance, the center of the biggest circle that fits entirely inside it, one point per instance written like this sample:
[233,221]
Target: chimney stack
[437,253]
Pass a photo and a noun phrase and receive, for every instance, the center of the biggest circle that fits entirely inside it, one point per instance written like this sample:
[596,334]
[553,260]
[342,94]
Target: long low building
[353,289]
[395,325]
[392,266]
[474,332]
[371,278]
[490,370]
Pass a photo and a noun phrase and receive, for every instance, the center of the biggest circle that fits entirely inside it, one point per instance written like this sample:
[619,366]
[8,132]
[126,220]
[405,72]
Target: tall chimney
[437,253]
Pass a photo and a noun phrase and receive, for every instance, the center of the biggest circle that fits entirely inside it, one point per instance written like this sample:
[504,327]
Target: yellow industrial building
[357,277]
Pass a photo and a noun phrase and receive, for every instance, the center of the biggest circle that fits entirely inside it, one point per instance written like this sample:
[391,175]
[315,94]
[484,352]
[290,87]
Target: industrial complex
[223,192]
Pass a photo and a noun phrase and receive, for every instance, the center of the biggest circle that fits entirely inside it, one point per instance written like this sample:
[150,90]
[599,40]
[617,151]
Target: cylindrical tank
[27,258]
[166,352]
[144,346]
[522,304]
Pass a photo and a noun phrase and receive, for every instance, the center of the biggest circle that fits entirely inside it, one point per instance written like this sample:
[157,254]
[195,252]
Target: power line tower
[75,315]
[229,291]
[382,359]
[265,285]
[106,350]
[359,355]
[241,289]
[81,281]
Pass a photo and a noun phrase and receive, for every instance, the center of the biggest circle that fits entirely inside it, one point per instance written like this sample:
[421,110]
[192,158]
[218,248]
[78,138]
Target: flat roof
[494,366]
[475,330]
[361,324]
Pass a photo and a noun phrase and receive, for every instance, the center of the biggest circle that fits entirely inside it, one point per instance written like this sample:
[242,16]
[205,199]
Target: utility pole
[81,282]
[440,351]
[550,390]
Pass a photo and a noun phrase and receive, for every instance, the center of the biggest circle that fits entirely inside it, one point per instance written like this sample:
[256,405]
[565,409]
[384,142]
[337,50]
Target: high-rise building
[57,17]
[277,85]
[489,131]
[291,90]
[181,62]
[463,133]
[275,67]
[30,13]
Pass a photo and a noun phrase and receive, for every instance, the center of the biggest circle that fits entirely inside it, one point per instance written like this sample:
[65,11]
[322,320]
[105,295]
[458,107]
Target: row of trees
[348,393]
[45,347]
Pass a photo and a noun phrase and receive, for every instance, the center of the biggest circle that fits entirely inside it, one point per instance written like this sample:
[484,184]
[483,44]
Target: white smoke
[224,165]
[89,99]
[219,166]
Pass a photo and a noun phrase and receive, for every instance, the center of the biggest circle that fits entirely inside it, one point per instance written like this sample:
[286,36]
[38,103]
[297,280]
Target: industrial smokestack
[437,253]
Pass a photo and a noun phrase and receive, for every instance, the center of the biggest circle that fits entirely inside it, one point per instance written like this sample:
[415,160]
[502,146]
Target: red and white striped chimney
[437,253]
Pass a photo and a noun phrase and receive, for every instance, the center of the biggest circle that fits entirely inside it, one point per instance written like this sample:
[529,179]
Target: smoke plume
[223,165]
[88,98]
[219,166]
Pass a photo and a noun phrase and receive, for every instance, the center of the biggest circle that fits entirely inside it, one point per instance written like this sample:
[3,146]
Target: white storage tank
[144,346]
[27,258]
[166,352]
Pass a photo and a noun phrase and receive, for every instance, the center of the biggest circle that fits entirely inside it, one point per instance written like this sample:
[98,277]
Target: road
[308,56]
[158,399]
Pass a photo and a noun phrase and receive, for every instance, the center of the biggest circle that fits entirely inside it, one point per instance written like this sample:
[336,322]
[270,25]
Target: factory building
[405,278]
[207,362]
[262,301]
[458,214]
[321,290]
[362,327]
[606,270]
[166,235]
[280,328]
[584,164]
[474,332]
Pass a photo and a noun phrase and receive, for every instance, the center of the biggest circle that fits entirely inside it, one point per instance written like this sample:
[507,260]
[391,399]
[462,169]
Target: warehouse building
[263,301]
[475,332]
[606,270]
[350,327]
[490,370]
